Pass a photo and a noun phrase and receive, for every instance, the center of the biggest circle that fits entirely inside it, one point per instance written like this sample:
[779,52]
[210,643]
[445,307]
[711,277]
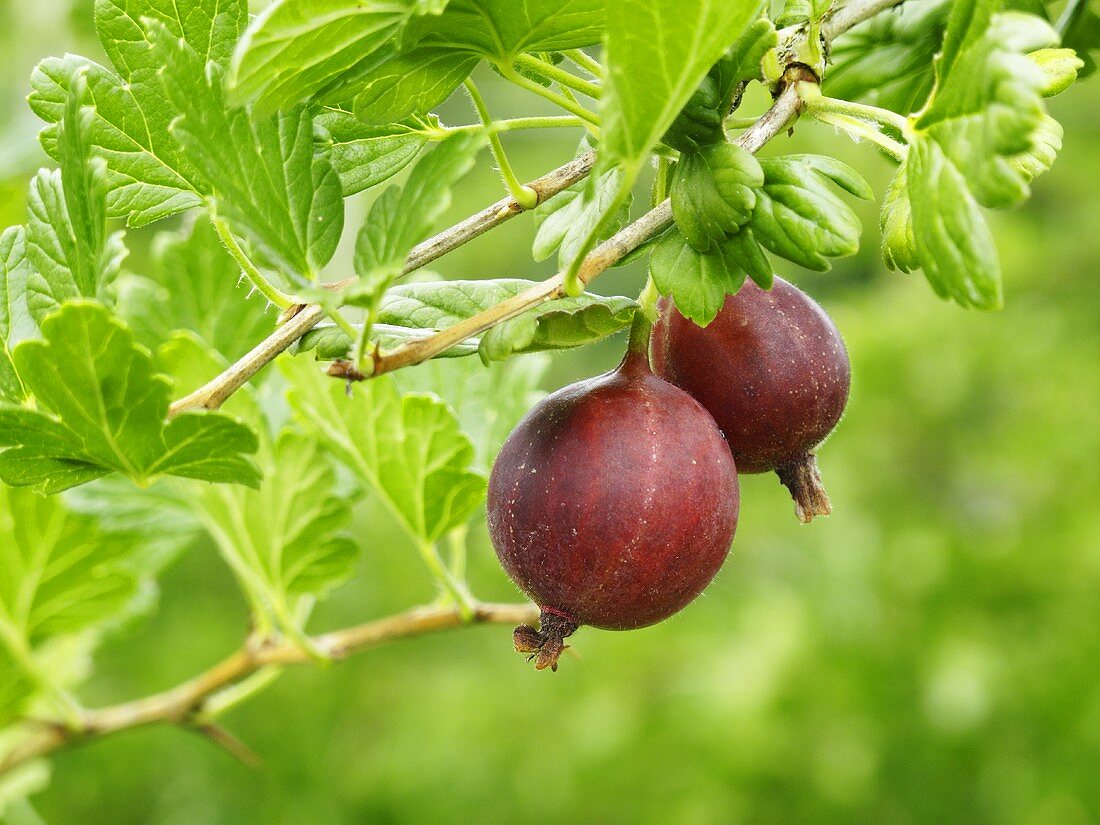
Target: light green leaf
[193,284]
[557,324]
[286,539]
[1059,68]
[15,320]
[988,105]
[565,220]
[658,52]
[951,238]
[713,193]
[59,574]
[408,449]
[284,201]
[799,217]
[699,282]
[412,83]
[800,11]
[147,176]
[402,217]
[488,400]
[296,48]
[100,409]
[70,251]
[888,61]
[364,156]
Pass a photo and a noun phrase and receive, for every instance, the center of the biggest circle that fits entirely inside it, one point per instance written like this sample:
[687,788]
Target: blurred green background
[930,653]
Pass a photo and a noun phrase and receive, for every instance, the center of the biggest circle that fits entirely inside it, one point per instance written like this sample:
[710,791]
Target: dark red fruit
[773,371]
[613,504]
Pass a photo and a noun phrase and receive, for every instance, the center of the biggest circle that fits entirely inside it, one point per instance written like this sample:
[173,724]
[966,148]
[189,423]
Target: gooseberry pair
[615,500]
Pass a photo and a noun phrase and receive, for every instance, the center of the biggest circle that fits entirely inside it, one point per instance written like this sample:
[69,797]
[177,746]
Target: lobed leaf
[101,409]
[658,53]
[699,282]
[363,156]
[281,198]
[799,217]
[285,539]
[407,449]
[148,177]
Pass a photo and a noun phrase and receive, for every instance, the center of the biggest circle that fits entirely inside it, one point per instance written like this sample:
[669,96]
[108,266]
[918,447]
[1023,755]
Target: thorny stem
[250,270]
[190,702]
[602,258]
[301,319]
[525,196]
[558,75]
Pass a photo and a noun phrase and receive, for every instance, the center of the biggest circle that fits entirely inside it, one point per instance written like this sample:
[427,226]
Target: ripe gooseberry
[613,504]
[773,371]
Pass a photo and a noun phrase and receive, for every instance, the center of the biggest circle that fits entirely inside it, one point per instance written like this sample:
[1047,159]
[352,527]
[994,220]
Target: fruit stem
[546,644]
[637,346]
[803,479]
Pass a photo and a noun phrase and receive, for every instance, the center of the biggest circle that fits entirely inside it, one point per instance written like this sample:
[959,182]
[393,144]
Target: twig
[853,13]
[303,318]
[184,704]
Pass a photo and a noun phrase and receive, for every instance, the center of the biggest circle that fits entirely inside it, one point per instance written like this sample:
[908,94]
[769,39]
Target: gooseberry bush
[244,383]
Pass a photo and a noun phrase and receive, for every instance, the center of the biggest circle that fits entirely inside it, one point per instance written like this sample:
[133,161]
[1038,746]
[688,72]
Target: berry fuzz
[612,504]
[773,371]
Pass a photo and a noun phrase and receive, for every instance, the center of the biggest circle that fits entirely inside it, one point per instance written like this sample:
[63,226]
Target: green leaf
[713,193]
[899,245]
[407,449]
[565,220]
[800,11]
[147,176]
[15,319]
[284,540]
[193,284]
[988,104]
[70,251]
[281,198]
[658,52]
[489,400]
[979,141]
[557,324]
[101,409]
[328,342]
[699,282]
[932,218]
[412,83]
[364,156]
[1059,68]
[402,217]
[296,48]
[799,217]
[59,574]
[889,60]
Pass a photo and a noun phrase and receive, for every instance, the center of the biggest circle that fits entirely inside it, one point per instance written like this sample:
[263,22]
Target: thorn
[229,743]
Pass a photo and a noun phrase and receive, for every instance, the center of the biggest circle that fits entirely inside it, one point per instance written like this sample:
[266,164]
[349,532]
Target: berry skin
[613,504]
[773,371]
